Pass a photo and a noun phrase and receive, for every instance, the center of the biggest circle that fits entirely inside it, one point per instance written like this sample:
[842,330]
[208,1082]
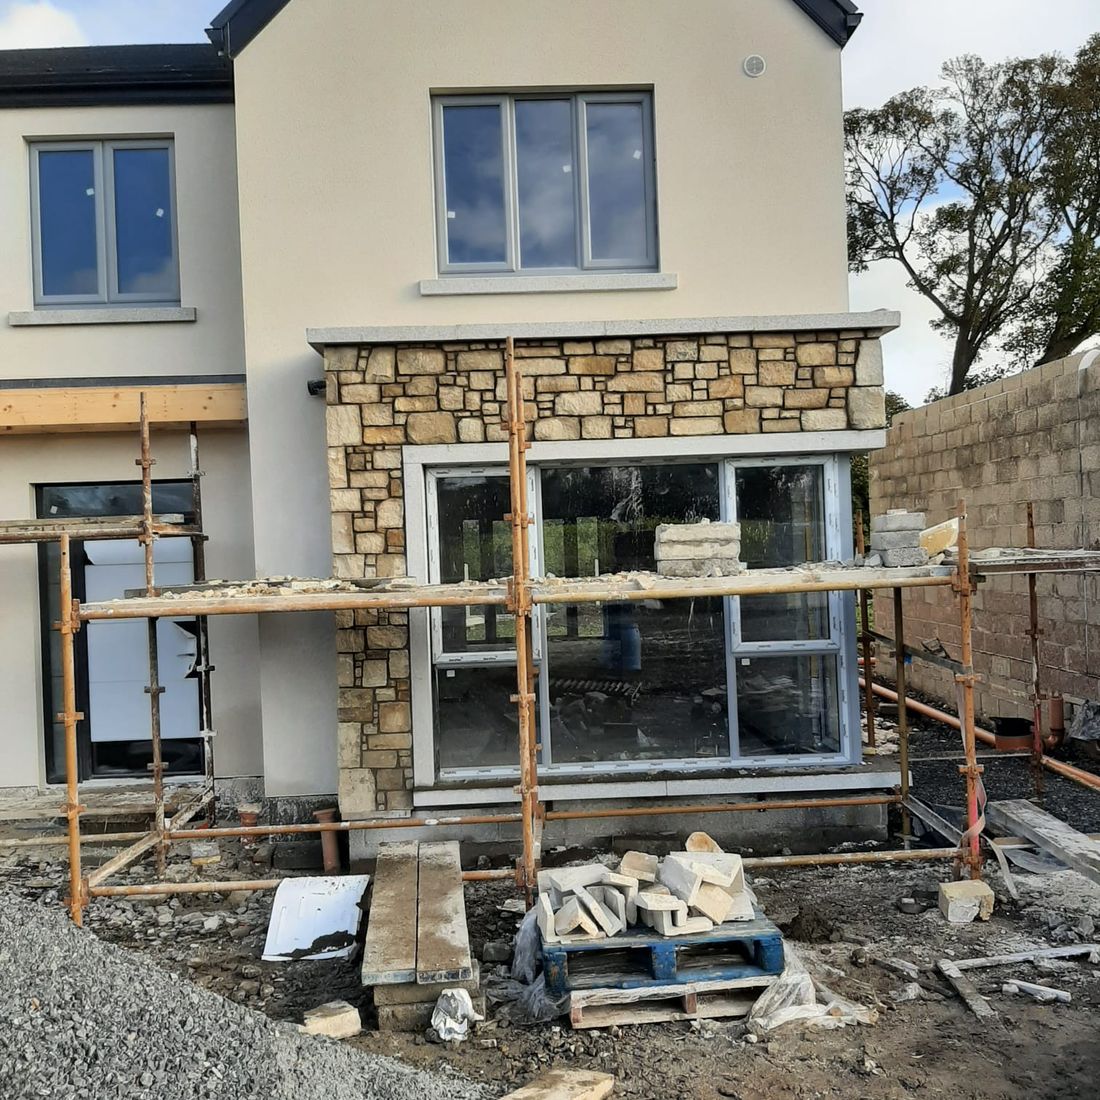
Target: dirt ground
[843,921]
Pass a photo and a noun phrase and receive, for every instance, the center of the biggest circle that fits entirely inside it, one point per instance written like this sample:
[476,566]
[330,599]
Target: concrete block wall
[1034,436]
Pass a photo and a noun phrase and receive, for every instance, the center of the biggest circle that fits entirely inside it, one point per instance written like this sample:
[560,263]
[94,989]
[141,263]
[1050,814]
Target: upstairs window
[104,223]
[545,183]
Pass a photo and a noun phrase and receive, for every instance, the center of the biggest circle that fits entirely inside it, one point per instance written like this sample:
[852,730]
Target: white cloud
[30,24]
[902,44]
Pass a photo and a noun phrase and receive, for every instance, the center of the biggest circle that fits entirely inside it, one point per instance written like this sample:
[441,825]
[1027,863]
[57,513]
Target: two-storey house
[648,198]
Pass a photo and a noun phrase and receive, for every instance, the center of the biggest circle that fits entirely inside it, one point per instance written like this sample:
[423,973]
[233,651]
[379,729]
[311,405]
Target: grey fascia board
[240,21]
[837,18]
[883,320]
[546,284]
[109,315]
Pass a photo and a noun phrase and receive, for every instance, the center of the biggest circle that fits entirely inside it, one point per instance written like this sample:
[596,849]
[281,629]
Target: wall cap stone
[881,321]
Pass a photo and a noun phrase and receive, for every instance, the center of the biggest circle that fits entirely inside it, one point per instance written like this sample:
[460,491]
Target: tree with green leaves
[1064,311]
[950,183]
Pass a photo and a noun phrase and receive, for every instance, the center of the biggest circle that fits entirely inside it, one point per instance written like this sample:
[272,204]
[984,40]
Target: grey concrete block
[698,567]
[898,559]
[898,521]
[894,540]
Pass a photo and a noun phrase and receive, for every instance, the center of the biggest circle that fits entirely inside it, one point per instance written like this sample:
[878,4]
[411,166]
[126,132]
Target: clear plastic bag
[525,951]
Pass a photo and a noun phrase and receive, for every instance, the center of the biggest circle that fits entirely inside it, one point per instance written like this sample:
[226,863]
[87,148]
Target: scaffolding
[519,594]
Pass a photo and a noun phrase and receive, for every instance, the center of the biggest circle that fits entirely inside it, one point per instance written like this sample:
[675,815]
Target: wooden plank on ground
[966,989]
[566,1084]
[442,940]
[707,1006]
[389,955]
[1050,833]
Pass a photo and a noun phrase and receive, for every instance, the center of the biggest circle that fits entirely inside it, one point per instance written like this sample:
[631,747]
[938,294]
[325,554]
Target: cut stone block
[205,852]
[417,1017]
[560,882]
[713,902]
[742,908]
[895,540]
[336,1019]
[545,918]
[573,916]
[627,888]
[726,863]
[683,540]
[701,842]
[898,520]
[963,901]
[604,918]
[708,872]
[699,567]
[615,901]
[693,926]
[680,879]
[650,902]
[901,559]
[935,540]
[639,865]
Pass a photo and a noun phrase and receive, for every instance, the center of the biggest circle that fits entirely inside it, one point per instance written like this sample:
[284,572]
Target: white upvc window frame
[513,262]
[107,294]
[838,644]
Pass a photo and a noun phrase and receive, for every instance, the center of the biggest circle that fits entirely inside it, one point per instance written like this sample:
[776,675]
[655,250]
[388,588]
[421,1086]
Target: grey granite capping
[547,284]
[883,320]
[104,315]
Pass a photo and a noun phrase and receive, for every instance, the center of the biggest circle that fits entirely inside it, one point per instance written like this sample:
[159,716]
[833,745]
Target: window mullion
[584,260]
[104,179]
[511,180]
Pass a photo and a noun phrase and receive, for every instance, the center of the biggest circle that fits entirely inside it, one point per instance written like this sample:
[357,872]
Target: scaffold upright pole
[519,603]
[971,770]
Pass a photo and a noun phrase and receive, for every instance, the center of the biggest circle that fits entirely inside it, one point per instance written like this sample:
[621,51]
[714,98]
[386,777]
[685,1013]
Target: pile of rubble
[683,894]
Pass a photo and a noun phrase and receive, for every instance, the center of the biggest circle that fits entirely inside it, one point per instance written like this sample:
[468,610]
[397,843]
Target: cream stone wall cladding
[381,397]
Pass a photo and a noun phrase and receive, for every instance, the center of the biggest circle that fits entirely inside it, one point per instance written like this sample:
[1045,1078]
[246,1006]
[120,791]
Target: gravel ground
[83,1018]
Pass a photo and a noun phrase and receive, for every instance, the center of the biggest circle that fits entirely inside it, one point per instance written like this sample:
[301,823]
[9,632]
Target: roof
[241,20]
[79,76]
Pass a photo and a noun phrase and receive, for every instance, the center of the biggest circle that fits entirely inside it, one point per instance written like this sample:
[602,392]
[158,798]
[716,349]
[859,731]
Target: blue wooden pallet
[743,949]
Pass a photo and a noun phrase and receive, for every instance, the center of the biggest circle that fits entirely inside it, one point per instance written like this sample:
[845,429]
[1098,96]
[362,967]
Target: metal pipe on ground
[1067,771]
[827,859]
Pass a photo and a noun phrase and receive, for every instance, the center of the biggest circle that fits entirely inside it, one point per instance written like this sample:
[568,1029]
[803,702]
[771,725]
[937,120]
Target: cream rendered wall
[209,249]
[27,461]
[335,163]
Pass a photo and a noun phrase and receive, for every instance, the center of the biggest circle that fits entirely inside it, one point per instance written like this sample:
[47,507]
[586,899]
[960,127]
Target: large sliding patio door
[685,684]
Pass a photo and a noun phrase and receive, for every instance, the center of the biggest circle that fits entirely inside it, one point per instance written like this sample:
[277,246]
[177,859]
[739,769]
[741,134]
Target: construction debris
[1044,994]
[966,900]
[686,893]
[566,1084]
[336,1019]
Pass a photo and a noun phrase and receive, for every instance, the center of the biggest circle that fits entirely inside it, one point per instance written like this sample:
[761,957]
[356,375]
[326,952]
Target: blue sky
[901,44]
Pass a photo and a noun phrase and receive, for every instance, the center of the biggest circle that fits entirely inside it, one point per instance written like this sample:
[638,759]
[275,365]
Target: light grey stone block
[894,540]
[898,559]
[898,521]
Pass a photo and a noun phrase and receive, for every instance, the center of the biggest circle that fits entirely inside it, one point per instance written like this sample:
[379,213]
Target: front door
[112,658]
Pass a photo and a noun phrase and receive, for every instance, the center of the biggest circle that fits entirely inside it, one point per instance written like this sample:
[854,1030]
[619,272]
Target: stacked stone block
[383,397]
[895,538]
[698,549]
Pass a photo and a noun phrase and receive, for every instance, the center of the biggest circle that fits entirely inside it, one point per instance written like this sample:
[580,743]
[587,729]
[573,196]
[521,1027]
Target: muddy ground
[842,920]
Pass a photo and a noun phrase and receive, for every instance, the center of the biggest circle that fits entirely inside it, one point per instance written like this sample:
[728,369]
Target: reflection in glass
[474,719]
[544,163]
[475,544]
[615,134]
[143,223]
[630,681]
[473,168]
[788,705]
[781,510]
[67,221]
